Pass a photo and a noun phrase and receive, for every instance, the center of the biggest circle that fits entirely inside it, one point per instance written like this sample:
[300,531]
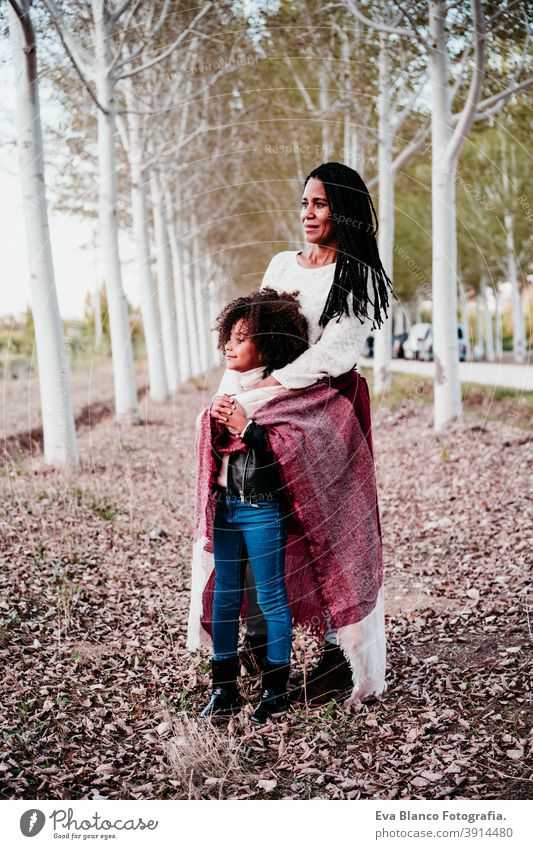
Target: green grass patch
[104,508]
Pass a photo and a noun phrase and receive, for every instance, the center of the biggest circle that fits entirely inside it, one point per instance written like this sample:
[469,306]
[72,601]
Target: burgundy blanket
[321,441]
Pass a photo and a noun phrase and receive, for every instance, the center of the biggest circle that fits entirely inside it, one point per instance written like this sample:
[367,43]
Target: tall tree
[59,434]
[448,133]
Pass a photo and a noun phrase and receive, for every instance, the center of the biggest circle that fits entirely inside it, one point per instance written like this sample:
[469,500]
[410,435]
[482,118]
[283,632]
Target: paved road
[510,375]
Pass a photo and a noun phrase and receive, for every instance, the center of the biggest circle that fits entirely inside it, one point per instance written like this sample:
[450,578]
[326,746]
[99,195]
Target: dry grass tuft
[203,756]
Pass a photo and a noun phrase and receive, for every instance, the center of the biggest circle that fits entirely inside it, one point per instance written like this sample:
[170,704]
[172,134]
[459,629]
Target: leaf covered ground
[99,694]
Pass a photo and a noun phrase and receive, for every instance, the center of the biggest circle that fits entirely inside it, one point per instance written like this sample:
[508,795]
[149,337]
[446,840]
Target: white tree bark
[480,343]
[445,346]
[487,320]
[184,343]
[167,303]
[382,335]
[126,403]
[190,311]
[519,330]
[215,307]
[399,320]
[465,320]
[200,296]
[499,329]
[59,434]
[157,377]
[95,296]
[324,105]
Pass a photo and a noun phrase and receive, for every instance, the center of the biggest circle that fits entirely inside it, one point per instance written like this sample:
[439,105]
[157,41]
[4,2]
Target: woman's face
[316,214]
[240,350]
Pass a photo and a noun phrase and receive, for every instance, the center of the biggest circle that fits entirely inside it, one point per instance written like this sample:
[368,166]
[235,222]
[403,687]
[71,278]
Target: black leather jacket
[252,474]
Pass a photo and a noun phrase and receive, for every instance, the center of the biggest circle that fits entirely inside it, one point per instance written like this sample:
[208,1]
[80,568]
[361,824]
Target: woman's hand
[228,412]
[266,381]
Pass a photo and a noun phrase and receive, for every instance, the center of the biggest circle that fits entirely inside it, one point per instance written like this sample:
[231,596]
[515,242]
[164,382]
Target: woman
[339,277]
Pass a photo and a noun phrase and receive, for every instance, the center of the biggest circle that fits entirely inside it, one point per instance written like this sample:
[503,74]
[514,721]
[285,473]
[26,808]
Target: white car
[425,351]
[413,344]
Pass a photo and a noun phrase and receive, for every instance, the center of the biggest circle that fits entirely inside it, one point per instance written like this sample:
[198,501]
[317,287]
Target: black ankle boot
[225,699]
[331,679]
[274,699]
[254,653]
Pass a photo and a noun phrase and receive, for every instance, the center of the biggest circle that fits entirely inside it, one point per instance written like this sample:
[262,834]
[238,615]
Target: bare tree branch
[400,117]
[159,58]
[76,52]
[301,88]
[114,16]
[161,20]
[411,148]
[81,63]
[472,100]
[382,27]
[502,11]
[493,104]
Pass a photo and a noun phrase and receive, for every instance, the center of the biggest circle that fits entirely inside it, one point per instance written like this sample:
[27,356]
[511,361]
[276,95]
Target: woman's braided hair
[273,319]
[353,215]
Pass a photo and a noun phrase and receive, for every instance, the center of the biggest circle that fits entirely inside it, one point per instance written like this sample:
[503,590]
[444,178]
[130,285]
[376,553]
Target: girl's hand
[228,411]
[237,419]
[221,406]
[266,381]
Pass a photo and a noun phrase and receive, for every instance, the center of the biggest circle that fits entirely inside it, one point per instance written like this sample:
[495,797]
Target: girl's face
[240,350]
[316,218]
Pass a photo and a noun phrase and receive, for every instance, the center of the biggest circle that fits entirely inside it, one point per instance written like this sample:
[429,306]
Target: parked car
[426,348]
[368,347]
[415,337]
[397,346]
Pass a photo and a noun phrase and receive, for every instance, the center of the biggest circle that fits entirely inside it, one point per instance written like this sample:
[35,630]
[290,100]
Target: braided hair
[353,216]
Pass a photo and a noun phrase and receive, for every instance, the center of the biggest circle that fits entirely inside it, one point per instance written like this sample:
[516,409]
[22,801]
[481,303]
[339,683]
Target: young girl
[258,334]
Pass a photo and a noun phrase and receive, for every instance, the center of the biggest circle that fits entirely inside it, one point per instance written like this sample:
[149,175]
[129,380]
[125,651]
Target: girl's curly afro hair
[274,321]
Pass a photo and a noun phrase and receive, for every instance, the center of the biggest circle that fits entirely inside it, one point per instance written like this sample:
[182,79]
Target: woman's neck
[316,255]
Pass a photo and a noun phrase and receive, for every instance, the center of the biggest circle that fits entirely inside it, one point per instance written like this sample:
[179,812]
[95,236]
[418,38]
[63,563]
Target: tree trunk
[184,345]
[95,297]
[519,330]
[445,347]
[499,329]
[59,433]
[97,313]
[157,376]
[126,404]
[382,335]
[487,318]
[465,321]
[190,311]
[200,296]
[399,320]
[216,304]
[323,99]
[480,344]
[167,304]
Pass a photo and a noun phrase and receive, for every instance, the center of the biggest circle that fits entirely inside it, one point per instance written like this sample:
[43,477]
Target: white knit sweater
[333,350]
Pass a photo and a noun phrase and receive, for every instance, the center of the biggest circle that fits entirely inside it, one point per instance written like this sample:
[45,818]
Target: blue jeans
[259,527]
